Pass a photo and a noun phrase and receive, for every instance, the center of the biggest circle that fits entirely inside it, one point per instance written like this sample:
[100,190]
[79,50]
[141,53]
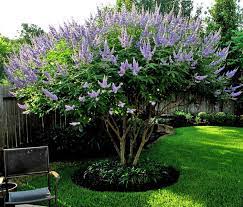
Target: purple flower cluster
[125,39]
[146,50]
[94,94]
[50,95]
[223,53]
[84,52]
[124,66]
[69,108]
[182,56]
[22,106]
[104,83]
[199,78]
[116,88]
[135,67]
[218,71]
[107,54]
[208,50]
[230,74]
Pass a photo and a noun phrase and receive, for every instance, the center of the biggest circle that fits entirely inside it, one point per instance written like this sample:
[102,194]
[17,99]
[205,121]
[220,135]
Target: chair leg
[49,203]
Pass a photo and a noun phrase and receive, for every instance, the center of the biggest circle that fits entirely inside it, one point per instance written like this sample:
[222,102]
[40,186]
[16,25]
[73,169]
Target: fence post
[1,118]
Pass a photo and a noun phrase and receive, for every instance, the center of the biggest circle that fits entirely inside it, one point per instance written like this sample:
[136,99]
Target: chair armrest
[54,174]
[1,180]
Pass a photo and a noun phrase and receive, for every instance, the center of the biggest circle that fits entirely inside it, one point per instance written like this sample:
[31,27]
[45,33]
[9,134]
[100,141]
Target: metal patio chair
[20,162]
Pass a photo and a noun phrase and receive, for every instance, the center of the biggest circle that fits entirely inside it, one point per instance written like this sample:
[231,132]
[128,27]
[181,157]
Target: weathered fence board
[16,128]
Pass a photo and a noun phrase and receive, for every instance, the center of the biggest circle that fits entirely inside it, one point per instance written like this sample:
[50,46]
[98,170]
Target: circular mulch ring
[111,176]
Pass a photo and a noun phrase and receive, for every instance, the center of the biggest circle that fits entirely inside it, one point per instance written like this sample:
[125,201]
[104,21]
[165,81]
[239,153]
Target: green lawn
[210,160]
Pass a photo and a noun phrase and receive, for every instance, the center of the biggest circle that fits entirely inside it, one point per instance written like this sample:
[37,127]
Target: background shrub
[182,119]
[75,142]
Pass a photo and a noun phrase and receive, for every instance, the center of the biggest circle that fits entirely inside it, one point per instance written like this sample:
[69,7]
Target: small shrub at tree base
[109,175]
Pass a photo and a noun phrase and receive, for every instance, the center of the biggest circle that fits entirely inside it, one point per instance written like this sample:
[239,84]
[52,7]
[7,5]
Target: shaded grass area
[210,160]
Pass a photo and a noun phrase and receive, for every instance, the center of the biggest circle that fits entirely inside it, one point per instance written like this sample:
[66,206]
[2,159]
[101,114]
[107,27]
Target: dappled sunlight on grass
[167,198]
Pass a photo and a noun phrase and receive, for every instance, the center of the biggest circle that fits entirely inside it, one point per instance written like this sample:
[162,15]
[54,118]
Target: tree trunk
[131,147]
[136,158]
[122,151]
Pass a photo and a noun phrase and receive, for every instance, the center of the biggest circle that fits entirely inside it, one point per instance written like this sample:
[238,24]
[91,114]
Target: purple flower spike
[223,53]
[234,88]
[74,123]
[146,50]
[130,111]
[94,94]
[207,51]
[235,94]
[121,104]
[217,93]
[124,66]
[219,70]
[107,54]
[86,85]
[116,88]
[69,108]
[84,52]
[104,83]
[22,106]
[135,67]
[231,73]
[50,95]
[200,77]
[81,98]
[111,111]
[125,39]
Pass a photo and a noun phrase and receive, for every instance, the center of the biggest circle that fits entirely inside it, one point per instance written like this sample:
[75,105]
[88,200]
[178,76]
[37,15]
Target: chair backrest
[26,161]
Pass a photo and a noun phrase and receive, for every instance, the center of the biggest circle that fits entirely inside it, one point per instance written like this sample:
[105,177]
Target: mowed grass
[210,160]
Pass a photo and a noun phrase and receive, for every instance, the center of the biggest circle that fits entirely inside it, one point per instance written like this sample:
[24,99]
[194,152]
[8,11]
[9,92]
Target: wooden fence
[17,128]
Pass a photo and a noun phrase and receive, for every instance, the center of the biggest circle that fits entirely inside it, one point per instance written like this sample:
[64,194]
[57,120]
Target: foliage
[211,165]
[118,67]
[182,119]
[106,175]
[72,143]
[219,119]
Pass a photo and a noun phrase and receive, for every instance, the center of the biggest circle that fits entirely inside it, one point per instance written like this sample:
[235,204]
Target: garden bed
[112,176]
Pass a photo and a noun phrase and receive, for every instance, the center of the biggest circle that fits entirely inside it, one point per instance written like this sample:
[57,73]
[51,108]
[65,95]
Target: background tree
[5,49]
[223,14]
[184,6]
[126,3]
[29,31]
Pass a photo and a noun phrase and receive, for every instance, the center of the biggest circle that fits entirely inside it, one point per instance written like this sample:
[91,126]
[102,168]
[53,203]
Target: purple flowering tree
[117,67]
